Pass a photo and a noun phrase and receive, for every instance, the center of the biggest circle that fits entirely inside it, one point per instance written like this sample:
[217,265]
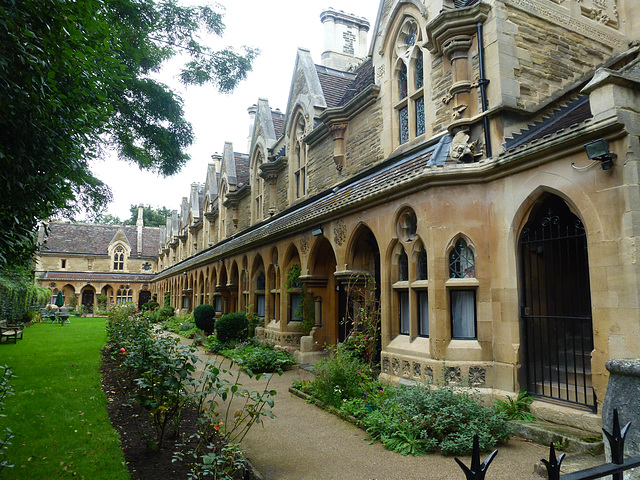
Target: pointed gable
[228,168]
[120,238]
[306,90]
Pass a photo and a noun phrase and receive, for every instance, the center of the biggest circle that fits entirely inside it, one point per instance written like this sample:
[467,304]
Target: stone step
[565,438]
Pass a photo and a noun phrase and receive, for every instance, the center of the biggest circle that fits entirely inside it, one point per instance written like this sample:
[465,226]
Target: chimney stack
[345,39]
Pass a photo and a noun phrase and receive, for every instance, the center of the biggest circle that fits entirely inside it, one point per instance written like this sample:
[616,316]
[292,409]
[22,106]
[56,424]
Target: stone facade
[445,181]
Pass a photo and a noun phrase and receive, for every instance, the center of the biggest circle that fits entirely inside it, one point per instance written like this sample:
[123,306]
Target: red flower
[122,350]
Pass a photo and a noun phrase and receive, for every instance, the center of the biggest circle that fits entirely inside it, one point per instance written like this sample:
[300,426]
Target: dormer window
[118,258]
[298,159]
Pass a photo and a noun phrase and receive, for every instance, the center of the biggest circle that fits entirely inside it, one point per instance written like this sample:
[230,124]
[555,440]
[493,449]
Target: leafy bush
[339,377]
[418,420]
[161,314]
[214,345]
[233,326]
[259,358]
[518,409]
[185,326]
[204,316]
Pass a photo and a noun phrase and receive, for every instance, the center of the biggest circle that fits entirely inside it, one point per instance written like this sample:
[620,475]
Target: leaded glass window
[410,38]
[418,71]
[118,259]
[402,81]
[403,115]
[461,261]
[403,267]
[422,265]
[420,125]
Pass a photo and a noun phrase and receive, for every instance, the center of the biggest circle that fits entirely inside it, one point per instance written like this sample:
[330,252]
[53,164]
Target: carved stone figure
[461,150]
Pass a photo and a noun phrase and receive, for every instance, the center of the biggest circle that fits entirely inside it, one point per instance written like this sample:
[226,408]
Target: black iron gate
[556,304]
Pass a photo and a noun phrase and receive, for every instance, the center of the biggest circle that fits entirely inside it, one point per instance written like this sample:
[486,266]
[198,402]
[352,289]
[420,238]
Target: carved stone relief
[461,150]
[477,376]
[304,244]
[340,233]
[453,374]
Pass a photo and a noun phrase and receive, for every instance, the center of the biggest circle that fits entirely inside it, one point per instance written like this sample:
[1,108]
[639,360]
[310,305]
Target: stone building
[86,260]
[477,163]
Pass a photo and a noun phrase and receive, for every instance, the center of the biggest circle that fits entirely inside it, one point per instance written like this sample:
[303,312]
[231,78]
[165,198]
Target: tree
[76,75]
[152,217]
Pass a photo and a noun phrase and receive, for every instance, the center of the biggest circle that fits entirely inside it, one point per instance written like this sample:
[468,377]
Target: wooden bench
[8,332]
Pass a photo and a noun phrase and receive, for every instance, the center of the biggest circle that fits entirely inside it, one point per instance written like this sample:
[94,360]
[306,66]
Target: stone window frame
[63,264]
[257,188]
[222,211]
[410,292]
[260,286]
[298,184]
[462,287]
[119,258]
[406,55]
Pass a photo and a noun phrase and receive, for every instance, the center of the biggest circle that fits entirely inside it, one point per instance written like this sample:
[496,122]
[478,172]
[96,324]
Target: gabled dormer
[119,251]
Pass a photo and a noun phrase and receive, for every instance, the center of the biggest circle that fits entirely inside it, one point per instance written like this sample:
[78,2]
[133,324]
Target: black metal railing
[616,467]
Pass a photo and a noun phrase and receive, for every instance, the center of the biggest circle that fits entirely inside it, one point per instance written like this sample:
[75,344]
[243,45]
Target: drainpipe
[483,82]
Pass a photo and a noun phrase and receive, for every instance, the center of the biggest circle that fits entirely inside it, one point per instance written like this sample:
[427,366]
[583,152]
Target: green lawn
[58,414]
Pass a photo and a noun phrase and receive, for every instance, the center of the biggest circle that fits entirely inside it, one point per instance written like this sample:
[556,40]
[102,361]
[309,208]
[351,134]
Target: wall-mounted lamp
[316,232]
[598,150]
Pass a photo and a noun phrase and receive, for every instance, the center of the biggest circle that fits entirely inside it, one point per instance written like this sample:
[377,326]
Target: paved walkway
[304,442]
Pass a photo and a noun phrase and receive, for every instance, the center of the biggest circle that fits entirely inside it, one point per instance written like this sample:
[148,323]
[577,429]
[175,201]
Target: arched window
[258,189]
[403,267]
[461,261]
[222,212]
[260,295]
[421,266]
[118,258]
[462,299]
[299,158]
[409,98]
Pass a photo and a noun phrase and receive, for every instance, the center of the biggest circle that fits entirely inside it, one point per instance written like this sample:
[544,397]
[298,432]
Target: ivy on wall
[19,296]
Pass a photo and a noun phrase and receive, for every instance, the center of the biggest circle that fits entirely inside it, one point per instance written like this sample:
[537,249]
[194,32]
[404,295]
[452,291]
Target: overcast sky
[277,28]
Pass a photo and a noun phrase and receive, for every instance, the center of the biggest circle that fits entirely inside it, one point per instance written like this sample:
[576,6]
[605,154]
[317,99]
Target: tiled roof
[94,239]
[334,83]
[575,111]
[365,76]
[97,277]
[242,168]
[377,184]
[278,122]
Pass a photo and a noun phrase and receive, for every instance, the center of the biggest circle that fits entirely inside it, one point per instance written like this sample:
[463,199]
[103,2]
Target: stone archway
[555,301]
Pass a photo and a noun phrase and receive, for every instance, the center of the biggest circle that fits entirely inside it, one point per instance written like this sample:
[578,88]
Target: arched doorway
[88,295]
[359,285]
[555,304]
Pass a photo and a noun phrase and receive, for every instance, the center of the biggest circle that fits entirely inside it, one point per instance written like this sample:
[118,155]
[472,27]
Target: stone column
[623,393]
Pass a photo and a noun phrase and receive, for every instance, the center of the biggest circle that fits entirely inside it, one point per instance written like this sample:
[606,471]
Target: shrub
[233,326]
[419,419]
[161,314]
[204,317]
[341,377]
[259,358]
[518,409]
